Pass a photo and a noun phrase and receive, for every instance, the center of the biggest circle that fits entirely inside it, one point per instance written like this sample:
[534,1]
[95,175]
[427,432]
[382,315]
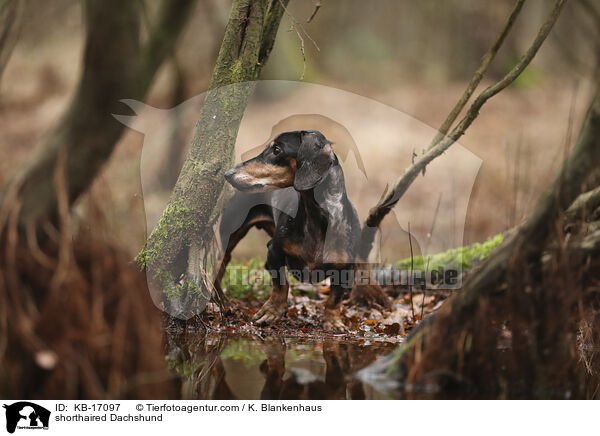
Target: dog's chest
[316,250]
[315,238]
[303,251]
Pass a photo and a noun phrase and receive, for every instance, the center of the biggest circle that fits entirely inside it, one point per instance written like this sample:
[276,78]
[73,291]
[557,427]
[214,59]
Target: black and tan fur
[295,191]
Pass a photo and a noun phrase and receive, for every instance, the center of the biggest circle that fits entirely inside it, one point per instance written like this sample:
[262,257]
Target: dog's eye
[276,150]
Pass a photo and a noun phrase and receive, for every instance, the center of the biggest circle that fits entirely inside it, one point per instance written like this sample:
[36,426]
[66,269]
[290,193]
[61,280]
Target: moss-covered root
[463,258]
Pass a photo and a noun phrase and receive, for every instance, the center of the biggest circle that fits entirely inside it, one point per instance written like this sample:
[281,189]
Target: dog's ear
[315,157]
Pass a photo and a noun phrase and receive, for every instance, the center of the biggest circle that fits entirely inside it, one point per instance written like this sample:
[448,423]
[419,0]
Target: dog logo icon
[26,415]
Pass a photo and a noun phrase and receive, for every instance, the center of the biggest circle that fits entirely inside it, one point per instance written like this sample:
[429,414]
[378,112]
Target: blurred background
[416,57]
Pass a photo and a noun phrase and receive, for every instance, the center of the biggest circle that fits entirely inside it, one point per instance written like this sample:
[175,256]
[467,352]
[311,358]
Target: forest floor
[224,355]
[304,317]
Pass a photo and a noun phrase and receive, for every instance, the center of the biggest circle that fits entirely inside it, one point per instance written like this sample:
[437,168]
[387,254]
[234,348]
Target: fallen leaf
[392,329]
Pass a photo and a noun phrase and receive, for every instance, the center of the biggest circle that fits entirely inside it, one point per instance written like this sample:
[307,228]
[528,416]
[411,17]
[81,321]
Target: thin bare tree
[443,140]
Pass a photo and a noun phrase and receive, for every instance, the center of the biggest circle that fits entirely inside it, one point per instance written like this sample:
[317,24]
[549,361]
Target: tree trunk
[58,297]
[116,66]
[10,20]
[513,282]
[183,235]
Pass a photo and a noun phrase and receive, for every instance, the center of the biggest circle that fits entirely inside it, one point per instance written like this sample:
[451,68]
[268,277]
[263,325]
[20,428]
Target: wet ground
[224,355]
[221,366]
[227,356]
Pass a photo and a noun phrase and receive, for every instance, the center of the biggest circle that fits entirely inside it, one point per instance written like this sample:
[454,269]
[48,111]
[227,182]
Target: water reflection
[274,368]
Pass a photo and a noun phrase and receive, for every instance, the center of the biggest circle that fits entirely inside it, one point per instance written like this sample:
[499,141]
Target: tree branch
[476,79]
[389,200]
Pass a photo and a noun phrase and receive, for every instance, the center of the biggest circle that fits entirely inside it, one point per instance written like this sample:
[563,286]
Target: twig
[423,301]
[569,131]
[301,50]
[377,213]
[312,16]
[299,29]
[295,22]
[426,250]
[410,281]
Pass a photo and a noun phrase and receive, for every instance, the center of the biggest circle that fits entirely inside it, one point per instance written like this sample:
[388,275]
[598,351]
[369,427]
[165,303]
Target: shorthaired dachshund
[295,191]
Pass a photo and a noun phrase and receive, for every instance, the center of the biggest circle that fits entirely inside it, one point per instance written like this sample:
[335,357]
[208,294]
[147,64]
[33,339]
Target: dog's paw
[272,311]
[333,321]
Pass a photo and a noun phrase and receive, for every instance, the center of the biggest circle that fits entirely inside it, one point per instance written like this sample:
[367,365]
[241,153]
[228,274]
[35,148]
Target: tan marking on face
[273,175]
[292,249]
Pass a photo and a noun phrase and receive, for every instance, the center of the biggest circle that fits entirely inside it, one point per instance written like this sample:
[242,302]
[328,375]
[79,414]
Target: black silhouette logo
[26,415]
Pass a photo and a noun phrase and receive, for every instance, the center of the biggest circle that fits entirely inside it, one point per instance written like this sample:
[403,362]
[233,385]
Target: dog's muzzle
[242,181]
[229,174]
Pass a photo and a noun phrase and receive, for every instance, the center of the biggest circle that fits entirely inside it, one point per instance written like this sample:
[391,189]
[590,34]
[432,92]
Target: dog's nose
[229,174]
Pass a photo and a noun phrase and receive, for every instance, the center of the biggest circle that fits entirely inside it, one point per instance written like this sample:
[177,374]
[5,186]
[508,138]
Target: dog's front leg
[275,307]
[332,314]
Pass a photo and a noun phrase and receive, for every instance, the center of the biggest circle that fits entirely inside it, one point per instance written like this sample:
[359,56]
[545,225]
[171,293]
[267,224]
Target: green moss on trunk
[187,221]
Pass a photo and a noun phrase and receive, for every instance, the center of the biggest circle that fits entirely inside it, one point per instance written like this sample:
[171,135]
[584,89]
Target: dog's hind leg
[259,217]
[332,314]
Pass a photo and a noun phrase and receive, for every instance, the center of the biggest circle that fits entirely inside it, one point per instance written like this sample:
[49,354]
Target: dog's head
[300,158]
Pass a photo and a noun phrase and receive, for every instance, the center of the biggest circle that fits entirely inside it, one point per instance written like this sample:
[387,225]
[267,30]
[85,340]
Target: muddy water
[233,367]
